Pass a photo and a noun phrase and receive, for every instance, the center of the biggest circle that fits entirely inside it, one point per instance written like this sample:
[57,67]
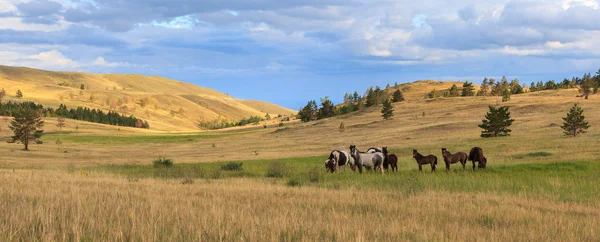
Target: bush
[162,162]
[187,181]
[277,169]
[314,175]
[294,182]
[232,166]
[215,174]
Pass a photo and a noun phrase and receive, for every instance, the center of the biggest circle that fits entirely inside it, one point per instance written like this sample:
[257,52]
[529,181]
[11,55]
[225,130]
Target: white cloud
[54,59]
[100,61]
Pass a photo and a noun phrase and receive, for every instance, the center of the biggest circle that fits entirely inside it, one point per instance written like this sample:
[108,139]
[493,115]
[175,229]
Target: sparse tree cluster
[221,123]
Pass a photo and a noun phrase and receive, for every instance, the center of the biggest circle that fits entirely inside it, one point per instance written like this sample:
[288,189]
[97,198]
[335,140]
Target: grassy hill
[168,105]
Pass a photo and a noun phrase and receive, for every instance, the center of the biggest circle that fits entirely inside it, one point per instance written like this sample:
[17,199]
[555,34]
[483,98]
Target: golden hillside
[168,105]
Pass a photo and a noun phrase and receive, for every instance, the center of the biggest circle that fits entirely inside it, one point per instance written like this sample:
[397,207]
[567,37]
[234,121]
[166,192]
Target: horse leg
[432,167]
[447,166]
[420,169]
[473,165]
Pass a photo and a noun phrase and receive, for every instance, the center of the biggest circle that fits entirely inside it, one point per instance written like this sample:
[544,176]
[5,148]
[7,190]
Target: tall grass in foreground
[55,205]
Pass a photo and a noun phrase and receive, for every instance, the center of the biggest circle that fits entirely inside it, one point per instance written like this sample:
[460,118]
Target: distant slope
[417,90]
[168,105]
[267,107]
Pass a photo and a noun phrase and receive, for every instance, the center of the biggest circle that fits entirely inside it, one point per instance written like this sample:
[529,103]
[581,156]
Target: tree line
[223,123]
[352,103]
[80,113]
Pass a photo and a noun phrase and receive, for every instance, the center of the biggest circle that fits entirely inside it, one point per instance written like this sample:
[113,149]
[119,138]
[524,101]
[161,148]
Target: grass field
[100,184]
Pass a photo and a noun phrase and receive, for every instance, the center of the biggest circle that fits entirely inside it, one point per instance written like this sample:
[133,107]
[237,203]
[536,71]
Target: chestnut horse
[476,155]
[423,160]
[450,158]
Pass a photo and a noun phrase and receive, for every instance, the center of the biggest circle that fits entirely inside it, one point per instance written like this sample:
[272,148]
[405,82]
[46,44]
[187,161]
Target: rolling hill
[168,105]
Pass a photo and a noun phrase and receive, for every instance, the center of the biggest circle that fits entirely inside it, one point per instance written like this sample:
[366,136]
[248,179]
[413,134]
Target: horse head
[384,150]
[415,154]
[483,162]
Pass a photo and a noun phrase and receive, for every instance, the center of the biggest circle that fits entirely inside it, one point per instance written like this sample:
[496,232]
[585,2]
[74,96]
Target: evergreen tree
[26,125]
[82,87]
[468,89]
[506,95]
[371,98]
[327,108]
[485,87]
[575,122]
[387,111]
[378,95]
[397,97]
[496,123]
[308,113]
[19,94]
[268,117]
[585,88]
[355,96]
[532,87]
[2,94]
[515,87]
[454,91]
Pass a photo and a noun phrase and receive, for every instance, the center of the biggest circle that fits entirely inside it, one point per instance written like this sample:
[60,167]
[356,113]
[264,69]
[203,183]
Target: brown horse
[423,160]
[476,155]
[450,158]
[393,162]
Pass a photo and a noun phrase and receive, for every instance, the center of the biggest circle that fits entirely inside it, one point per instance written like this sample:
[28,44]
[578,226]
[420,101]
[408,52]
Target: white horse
[341,158]
[371,161]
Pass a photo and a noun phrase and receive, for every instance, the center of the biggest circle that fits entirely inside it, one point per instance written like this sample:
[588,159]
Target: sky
[291,51]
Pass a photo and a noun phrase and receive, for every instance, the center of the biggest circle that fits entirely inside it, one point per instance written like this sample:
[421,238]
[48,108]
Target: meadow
[100,183]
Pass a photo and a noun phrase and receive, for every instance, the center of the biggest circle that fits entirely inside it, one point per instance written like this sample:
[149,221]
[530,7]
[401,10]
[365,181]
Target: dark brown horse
[450,158]
[423,160]
[476,155]
[393,162]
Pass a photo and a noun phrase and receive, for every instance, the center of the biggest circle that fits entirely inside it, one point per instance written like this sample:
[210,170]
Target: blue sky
[289,52]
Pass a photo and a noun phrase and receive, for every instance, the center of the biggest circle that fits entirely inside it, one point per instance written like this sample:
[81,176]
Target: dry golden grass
[47,194]
[55,205]
[114,91]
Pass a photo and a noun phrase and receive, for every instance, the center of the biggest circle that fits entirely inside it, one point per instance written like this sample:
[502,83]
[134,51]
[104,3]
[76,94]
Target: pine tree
[496,123]
[387,110]
[371,98]
[308,113]
[468,89]
[342,127]
[397,97]
[61,122]
[327,108]
[506,95]
[485,87]
[575,122]
[586,86]
[82,87]
[2,94]
[26,125]
[19,94]
[454,91]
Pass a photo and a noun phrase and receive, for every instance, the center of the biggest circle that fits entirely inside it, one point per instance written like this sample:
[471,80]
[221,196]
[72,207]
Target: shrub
[294,182]
[162,162]
[277,169]
[232,166]
[187,181]
[314,175]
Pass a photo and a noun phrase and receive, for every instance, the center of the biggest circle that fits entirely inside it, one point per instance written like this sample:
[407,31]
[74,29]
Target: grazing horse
[393,162]
[423,160]
[341,158]
[476,155]
[331,165]
[450,158]
[369,161]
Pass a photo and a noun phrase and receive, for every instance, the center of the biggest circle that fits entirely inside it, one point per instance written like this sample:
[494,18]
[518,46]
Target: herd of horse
[378,159]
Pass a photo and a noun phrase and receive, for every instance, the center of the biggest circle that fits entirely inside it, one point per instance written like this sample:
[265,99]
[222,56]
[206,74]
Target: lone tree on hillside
[61,122]
[387,111]
[342,127]
[268,117]
[575,122]
[496,122]
[585,88]
[82,87]
[397,96]
[19,94]
[26,125]
[454,91]
[468,89]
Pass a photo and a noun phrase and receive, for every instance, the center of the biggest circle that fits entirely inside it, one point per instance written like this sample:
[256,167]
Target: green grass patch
[533,155]
[562,181]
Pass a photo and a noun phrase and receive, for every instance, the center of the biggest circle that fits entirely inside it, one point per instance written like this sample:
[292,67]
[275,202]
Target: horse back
[476,154]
